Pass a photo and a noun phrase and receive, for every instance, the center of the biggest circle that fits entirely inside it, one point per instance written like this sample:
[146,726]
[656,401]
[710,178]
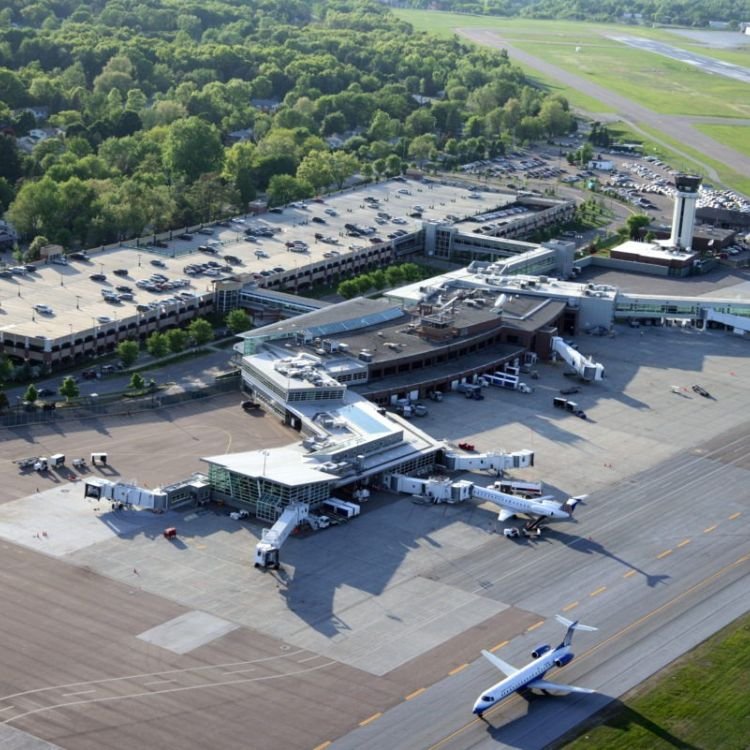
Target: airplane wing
[504,514]
[503,666]
[545,685]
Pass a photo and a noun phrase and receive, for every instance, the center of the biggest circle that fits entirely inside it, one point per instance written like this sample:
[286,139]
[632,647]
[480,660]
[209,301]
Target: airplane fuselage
[515,504]
[533,671]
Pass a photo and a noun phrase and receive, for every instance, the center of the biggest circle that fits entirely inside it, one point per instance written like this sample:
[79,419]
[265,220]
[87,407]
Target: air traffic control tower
[683,219]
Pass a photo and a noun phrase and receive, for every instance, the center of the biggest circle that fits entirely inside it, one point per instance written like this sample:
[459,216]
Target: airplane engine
[539,650]
[561,661]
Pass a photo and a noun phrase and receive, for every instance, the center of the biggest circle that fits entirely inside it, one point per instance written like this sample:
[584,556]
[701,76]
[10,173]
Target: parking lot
[99,292]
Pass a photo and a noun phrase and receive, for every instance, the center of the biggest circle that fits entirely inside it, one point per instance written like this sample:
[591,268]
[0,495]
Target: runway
[708,65]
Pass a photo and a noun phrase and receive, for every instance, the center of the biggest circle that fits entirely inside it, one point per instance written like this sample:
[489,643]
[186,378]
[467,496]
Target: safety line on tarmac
[417,692]
[664,554]
[370,719]
[734,516]
[323,745]
[615,636]
[498,646]
[570,606]
[535,626]
[458,669]
[684,542]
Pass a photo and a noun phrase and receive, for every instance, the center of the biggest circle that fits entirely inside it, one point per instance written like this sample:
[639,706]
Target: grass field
[700,701]
[736,136]
[665,86]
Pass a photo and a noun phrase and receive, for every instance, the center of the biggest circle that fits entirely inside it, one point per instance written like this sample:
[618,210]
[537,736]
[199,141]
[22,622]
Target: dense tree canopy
[162,113]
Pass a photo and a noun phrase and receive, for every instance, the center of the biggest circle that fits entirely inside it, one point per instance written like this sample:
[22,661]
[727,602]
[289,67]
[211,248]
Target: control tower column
[683,219]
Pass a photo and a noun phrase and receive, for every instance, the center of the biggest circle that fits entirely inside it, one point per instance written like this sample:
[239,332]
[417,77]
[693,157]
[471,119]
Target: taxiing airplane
[539,507]
[531,676]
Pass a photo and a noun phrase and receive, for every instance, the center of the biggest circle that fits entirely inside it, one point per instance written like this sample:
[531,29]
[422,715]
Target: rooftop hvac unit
[365,356]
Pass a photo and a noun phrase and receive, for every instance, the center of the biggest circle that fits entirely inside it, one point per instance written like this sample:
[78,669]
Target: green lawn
[664,85]
[736,136]
[700,701]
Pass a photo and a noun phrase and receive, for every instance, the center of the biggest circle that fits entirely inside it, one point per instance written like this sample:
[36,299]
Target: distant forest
[676,12]
[125,117]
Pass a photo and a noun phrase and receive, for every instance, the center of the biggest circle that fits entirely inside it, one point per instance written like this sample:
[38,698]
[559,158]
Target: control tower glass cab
[685,201]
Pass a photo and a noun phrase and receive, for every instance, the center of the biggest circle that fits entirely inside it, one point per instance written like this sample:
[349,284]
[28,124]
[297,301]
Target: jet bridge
[585,368]
[738,323]
[497,462]
[268,548]
[123,492]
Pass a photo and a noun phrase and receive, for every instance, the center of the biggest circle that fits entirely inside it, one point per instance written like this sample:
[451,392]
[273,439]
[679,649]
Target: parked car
[701,391]
[43,309]
[158,263]
[120,272]
[98,277]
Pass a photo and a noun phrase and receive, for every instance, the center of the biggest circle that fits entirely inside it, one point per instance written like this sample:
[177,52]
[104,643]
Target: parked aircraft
[538,507]
[531,676]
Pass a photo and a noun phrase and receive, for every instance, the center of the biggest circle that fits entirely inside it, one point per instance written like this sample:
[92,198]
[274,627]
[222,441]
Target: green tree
[636,223]
[411,272]
[34,251]
[128,351]
[395,275]
[238,321]
[177,340]
[348,288]
[157,345]
[31,395]
[201,331]
[316,169]
[69,388]
[137,383]
[6,369]
[283,188]
[193,147]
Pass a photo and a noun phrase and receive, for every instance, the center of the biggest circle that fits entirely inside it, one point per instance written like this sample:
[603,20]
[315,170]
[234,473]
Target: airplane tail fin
[572,626]
[570,504]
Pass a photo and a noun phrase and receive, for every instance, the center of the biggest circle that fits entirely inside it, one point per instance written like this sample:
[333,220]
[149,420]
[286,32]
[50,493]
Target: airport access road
[679,128]
[666,565]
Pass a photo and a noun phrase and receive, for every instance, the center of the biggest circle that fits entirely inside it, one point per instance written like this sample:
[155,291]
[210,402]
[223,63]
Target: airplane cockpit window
[487,698]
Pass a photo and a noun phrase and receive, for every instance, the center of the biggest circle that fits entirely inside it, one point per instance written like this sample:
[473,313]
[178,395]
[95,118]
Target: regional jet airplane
[531,676]
[539,507]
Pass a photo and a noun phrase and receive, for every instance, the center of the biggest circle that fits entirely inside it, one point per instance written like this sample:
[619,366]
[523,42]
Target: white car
[43,309]
[104,319]
[239,515]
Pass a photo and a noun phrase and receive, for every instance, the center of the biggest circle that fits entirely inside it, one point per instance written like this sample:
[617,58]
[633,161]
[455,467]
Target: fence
[115,405]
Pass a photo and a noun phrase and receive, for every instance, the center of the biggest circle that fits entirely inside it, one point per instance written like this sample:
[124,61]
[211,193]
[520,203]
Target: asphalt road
[679,128]
[666,565]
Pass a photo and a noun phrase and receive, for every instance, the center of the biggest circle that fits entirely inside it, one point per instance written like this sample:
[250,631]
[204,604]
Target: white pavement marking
[151,693]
